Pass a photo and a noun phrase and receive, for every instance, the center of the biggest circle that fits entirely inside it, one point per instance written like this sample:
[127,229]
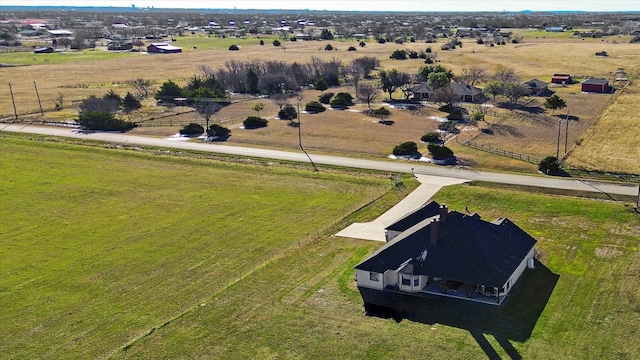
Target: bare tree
[59,101]
[505,74]
[280,99]
[446,95]
[514,91]
[407,89]
[367,92]
[142,87]
[207,109]
[472,75]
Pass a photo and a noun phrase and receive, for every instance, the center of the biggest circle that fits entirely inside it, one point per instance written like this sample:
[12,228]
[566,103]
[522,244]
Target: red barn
[596,85]
[561,78]
[163,48]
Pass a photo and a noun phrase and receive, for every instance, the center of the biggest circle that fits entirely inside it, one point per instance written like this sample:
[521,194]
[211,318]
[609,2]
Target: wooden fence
[502,152]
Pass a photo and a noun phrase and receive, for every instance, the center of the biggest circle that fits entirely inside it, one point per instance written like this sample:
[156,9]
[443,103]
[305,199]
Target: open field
[99,246]
[347,131]
[124,254]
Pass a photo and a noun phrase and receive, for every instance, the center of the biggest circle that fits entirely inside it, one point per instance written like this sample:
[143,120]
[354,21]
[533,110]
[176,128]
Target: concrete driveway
[429,186]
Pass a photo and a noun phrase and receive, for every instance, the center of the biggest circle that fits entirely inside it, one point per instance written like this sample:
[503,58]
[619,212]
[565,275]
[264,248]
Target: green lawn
[128,254]
[99,246]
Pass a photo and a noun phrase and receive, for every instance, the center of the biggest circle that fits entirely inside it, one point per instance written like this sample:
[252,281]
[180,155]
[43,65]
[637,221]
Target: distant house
[596,85]
[537,87]
[554,29]
[43,50]
[60,33]
[116,45]
[422,91]
[163,48]
[561,79]
[468,93]
[450,254]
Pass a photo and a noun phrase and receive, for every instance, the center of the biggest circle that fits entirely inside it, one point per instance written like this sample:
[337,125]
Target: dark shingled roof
[462,89]
[535,83]
[468,250]
[427,210]
[596,81]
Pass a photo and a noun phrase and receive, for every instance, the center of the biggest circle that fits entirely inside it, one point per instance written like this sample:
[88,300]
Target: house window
[374,276]
[416,282]
[406,281]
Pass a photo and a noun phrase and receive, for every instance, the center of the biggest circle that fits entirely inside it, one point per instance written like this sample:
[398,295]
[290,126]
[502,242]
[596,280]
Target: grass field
[539,56]
[129,254]
[99,246]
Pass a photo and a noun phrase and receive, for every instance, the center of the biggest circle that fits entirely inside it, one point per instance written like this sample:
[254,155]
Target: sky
[375,5]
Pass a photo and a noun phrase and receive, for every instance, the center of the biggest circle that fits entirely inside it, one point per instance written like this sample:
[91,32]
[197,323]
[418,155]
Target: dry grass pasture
[350,131]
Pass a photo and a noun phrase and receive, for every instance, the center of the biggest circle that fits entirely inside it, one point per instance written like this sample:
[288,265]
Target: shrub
[276,42]
[399,55]
[288,112]
[382,112]
[362,44]
[293,38]
[234,47]
[549,165]
[381,40]
[412,54]
[254,122]
[455,114]
[351,48]
[448,126]
[339,103]
[314,107]
[192,129]
[218,131]
[431,137]
[346,97]
[328,47]
[325,98]
[439,152]
[428,60]
[429,50]
[406,148]
[479,41]
[261,42]
[321,84]
[99,120]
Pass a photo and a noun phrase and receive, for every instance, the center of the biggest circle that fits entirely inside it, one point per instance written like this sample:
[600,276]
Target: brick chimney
[434,230]
[444,211]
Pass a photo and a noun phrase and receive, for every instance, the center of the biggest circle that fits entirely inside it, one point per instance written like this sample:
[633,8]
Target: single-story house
[116,45]
[451,255]
[43,50]
[468,93]
[561,79]
[537,87]
[422,91]
[60,33]
[554,29]
[596,85]
[163,48]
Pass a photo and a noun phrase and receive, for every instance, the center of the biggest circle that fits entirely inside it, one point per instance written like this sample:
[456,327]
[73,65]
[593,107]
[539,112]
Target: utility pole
[558,145]
[14,102]
[566,134]
[38,95]
[315,168]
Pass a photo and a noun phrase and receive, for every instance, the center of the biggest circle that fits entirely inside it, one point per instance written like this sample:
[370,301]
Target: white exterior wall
[390,234]
[412,287]
[363,280]
[520,269]
[390,278]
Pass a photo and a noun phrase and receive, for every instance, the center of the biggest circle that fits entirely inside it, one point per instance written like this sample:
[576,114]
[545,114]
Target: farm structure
[447,254]
[537,87]
[163,48]
[596,85]
[562,79]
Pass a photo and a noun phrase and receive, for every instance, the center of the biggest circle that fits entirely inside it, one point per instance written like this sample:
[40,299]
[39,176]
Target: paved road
[387,165]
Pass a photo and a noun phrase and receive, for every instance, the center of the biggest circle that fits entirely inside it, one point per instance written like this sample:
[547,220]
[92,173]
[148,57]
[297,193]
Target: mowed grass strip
[100,246]
[306,305]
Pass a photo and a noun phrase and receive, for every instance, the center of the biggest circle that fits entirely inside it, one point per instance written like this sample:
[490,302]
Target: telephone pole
[13,101]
